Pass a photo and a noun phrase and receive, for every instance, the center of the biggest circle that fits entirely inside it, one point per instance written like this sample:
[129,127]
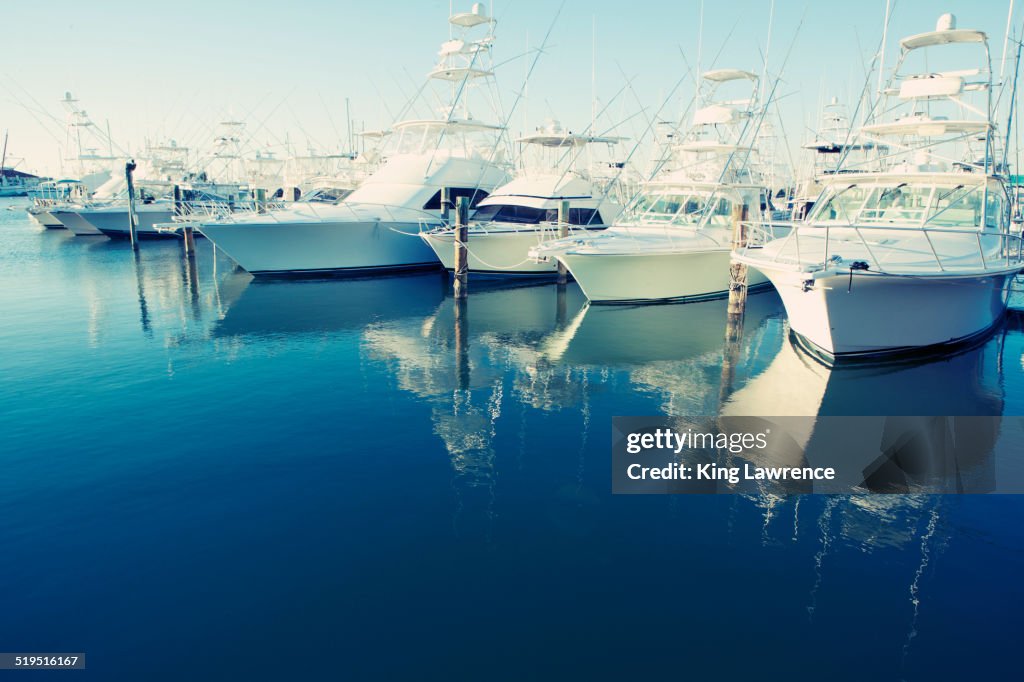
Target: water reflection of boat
[938,444]
[630,336]
[275,307]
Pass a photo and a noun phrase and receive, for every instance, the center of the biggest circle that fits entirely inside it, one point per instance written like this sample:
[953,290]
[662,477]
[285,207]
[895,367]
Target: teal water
[206,477]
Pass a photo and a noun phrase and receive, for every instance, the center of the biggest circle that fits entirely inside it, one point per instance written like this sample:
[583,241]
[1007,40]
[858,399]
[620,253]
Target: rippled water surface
[209,477]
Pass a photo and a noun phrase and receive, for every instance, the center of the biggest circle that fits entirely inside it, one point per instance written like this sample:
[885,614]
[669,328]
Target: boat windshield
[927,205]
[528,215]
[326,195]
[674,207]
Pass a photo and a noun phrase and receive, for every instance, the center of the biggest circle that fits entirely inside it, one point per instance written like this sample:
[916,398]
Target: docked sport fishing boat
[53,195]
[920,254]
[523,213]
[375,228]
[674,241]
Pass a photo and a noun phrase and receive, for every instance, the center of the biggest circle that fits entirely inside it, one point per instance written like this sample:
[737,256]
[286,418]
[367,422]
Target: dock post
[178,208]
[563,232]
[190,241]
[461,344]
[133,220]
[261,200]
[738,271]
[461,254]
[444,204]
[737,306]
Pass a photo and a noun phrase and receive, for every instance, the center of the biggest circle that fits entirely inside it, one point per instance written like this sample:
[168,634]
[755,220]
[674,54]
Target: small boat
[919,255]
[673,242]
[523,213]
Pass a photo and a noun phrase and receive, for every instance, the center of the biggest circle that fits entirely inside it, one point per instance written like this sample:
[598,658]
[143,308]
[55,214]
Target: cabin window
[511,213]
[958,206]
[993,209]
[583,216]
[454,193]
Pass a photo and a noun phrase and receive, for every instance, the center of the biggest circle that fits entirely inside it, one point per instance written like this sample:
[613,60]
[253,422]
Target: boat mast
[1006,42]
[3,162]
[881,56]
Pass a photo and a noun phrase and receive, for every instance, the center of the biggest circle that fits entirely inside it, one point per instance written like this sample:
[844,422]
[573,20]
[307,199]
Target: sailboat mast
[3,161]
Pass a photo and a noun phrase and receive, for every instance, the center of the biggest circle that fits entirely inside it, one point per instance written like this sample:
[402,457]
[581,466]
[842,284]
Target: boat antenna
[1006,42]
[700,46]
[881,52]
[767,50]
[593,71]
[348,125]
[1009,120]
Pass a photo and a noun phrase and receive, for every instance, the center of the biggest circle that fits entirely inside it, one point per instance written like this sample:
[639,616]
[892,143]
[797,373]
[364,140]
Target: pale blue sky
[172,69]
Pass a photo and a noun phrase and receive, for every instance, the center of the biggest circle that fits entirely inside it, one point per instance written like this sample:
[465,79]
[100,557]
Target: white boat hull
[504,254]
[322,247]
[47,220]
[76,223]
[874,313]
[115,223]
[654,277]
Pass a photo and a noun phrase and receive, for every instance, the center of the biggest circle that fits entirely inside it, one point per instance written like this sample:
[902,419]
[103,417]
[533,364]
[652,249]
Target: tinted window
[584,216]
[510,213]
[475,197]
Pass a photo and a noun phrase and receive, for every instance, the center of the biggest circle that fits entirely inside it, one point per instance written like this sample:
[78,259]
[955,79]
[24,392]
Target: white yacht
[674,241]
[52,195]
[375,228]
[523,213]
[919,254]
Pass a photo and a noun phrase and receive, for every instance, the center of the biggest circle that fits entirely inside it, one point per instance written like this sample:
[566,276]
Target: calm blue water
[206,477]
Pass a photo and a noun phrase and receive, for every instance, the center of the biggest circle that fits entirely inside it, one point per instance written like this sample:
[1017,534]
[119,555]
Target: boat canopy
[566,139]
[723,75]
[449,125]
[955,35]
[926,127]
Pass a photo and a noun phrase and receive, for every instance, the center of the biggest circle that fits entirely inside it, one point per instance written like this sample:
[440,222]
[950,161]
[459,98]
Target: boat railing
[272,212]
[547,229]
[1010,250]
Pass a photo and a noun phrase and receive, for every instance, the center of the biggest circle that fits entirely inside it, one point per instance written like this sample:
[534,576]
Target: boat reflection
[282,308]
[926,440]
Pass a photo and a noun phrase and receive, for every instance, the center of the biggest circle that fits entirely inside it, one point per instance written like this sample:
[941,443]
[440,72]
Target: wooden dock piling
[461,253]
[133,219]
[738,271]
[563,231]
[261,200]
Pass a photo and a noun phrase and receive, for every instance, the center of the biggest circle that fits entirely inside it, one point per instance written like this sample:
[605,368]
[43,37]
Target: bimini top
[557,139]
[456,124]
[374,134]
[723,75]
[955,35]
[926,127]
[711,146]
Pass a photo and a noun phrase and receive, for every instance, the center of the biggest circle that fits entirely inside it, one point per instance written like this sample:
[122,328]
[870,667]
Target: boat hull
[502,254]
[76,224]
[317,248]
[840,317]
[46,219]
[655,277]
[114,224]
